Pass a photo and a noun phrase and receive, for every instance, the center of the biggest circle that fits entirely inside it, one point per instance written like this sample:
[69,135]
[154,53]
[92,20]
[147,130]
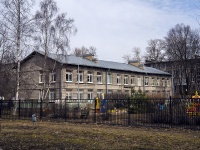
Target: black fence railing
[128,112]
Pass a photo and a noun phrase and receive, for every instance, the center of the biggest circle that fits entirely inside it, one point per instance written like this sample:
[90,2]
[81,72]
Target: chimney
[95,60]
[88,56]
[136,63]
[141,66]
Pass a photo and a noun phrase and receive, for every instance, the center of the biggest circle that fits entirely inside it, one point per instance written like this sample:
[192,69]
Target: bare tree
[182,44]
[15,15]
[155,50]
[7,60]
[53,32]
[136,55]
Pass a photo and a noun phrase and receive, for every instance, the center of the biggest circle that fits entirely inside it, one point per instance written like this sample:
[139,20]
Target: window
[109,78]
[118,79]
[53,77]
[80,77]
[99,78]
[163,82]
[139,81]
[153,82]
[147,92]
[125,80]
[109,92]
[40,77]
[68,76]
[80,94]
[153,93]
[168,93]
[89,96]
[168,84]
[40,95]
[99,93]
[132,80]
[52,96]
[126,92]
[146,82]
[68,95]
[90,77]
[192,79]
[158,81]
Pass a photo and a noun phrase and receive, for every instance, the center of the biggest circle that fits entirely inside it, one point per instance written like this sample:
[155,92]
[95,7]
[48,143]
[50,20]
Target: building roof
[74,60]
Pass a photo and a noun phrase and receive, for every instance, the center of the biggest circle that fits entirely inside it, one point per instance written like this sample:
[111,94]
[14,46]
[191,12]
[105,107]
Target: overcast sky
[114,27]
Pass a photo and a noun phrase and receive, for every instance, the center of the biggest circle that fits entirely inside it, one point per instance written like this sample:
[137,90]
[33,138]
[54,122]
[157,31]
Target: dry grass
[61,135]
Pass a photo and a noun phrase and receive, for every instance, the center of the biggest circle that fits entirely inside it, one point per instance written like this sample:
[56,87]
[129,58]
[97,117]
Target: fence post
[0,106]
[65,109]
[19,114]
[95,103]
[129,116]
[171,113]
[41,109]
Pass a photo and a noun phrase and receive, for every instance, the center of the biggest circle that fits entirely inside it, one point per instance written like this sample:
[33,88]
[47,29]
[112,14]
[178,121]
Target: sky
[115,27]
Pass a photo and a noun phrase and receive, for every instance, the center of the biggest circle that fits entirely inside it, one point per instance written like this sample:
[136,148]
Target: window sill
[80,82]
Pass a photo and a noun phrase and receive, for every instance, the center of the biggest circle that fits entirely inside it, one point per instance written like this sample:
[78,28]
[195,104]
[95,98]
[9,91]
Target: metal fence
[170,112]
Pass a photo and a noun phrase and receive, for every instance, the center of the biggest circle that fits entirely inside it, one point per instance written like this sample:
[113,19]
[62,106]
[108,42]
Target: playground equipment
[193,108]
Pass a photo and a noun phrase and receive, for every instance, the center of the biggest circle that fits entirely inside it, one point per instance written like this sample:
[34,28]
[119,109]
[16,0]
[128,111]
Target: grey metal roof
[73,60]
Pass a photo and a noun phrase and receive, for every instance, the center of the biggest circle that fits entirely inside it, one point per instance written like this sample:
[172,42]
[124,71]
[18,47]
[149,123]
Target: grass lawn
[17,134]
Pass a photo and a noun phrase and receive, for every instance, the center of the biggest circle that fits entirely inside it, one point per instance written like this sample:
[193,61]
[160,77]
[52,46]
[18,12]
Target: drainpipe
[144,83]
[107,81]
[61,84]
[78,87]
[172,79]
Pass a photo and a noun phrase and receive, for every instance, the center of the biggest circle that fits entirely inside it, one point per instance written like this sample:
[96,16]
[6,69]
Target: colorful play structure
[193,108]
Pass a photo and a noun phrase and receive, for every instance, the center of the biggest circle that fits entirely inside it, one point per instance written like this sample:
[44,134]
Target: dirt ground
[15,134]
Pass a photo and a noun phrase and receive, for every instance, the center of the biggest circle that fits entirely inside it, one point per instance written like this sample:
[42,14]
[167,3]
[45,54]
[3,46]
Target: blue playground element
[103,106]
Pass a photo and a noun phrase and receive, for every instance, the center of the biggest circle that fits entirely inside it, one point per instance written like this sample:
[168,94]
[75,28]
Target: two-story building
[86,77]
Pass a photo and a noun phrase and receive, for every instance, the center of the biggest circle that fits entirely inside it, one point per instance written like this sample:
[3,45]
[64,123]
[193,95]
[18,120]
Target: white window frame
[80,77]
[40,95]
[99,93]
[132,80]
[146,81]
[119,79]
[52,99]
[41,77]
[53,77]
[99,78]
[158,81]
[153,81]
[109,78]
[90,77]
[139,81]
[163,82]
[110,92]
[153,93]
[90,96]
[68,95]
[69,76]
[80,94]
[125,80]
[168,83]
